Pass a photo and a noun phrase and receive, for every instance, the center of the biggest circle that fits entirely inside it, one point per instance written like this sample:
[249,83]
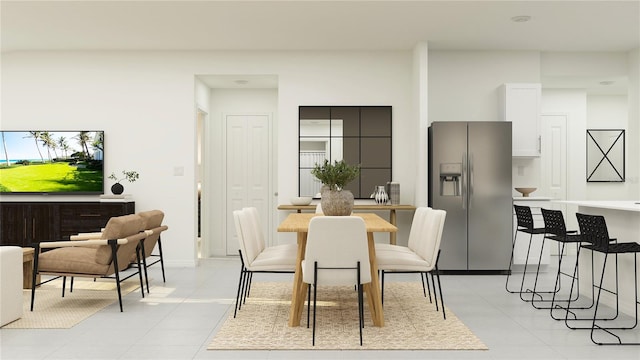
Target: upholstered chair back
[337,242]
[256,229]
[153,221]
[432,235]
[240,235]
[416,227]
[121,227]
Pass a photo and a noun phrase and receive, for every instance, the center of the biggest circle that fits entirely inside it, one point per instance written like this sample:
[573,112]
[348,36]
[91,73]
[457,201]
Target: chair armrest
[159,229]
[59,244]
[86,236]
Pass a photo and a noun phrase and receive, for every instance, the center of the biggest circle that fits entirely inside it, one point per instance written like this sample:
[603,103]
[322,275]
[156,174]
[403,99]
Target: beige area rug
[52,311]
[411,322]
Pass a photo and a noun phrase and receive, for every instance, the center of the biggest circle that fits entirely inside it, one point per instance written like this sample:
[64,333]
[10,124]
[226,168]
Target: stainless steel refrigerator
[470,178]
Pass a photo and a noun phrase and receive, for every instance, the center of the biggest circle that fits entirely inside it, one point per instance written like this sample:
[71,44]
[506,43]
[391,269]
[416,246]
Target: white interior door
[554,158]
[554,161]
[248,171]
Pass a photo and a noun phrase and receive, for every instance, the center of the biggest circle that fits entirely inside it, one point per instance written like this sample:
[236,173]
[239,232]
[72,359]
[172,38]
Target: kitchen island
[623,223]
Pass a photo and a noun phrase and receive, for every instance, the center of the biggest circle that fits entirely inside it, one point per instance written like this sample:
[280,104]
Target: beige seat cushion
[74,260]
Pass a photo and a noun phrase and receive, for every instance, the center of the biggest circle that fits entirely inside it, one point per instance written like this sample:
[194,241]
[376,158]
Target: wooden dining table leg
[299,292]
[372,289]
[392,220]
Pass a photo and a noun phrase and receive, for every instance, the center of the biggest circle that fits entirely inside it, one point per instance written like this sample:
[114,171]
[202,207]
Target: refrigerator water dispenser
[450,174]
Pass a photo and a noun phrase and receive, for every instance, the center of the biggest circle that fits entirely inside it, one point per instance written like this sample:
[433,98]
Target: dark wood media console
[23,223]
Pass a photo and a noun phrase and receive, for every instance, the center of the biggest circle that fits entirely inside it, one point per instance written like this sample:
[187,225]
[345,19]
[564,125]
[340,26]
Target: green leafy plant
[335,175]
[130,176]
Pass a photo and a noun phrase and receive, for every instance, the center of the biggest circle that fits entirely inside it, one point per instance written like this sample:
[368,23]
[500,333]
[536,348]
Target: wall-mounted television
[51,162]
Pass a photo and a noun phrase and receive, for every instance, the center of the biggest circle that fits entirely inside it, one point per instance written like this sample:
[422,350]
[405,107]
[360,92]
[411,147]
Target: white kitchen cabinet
[520,251]
[520,104]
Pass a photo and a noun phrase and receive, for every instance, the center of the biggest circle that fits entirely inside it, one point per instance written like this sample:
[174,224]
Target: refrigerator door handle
[464,181]
[470,194]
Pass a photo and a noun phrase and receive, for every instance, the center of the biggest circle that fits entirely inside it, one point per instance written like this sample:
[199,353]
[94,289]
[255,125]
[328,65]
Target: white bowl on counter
[301,200]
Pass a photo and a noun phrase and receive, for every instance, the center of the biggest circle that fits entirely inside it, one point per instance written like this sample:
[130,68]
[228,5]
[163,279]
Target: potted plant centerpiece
[130,176]
[335,200]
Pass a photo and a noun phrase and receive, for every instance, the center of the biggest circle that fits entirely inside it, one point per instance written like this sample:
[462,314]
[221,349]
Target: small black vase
[117,189]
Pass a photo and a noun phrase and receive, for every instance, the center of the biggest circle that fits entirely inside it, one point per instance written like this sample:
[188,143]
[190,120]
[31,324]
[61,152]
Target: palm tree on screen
[98,141]
[47,142]
[6,154]
[62,144]
[65,148]
[36,136]
[83,139]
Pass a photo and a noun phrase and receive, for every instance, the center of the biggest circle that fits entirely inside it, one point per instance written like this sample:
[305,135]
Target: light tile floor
[180,318]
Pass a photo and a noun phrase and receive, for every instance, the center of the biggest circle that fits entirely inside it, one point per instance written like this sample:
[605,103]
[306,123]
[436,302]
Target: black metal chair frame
[244,283]
[315,291]
[116,275]
[594,230]
[146,265]
[525,225]
[433,281]
[555,230]
[575,283]
[426,288]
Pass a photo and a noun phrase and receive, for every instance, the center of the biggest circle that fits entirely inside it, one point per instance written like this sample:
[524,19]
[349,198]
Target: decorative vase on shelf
[380,195]
[117,189]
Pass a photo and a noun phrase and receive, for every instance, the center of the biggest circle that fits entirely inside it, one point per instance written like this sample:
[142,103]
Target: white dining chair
[337,253]
[421,256]
[415,234]
[259,237]
[254,258]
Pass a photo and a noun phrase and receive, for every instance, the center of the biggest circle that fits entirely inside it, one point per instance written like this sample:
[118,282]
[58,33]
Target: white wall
[463,85]
[584,64]
[609,112]
[145,102]
[633,64]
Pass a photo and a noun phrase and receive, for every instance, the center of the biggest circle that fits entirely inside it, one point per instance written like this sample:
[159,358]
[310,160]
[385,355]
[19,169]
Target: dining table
[391,208]
[299,223]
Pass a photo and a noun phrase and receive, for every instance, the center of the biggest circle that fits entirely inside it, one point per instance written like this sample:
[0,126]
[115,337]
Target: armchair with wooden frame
[96,258]
[153,227]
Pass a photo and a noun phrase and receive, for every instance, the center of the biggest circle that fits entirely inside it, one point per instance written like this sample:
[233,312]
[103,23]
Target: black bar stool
[525,225]
[556,230]
[593,229]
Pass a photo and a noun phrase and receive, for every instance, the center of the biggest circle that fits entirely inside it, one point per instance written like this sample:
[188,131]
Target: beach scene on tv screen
[51,162]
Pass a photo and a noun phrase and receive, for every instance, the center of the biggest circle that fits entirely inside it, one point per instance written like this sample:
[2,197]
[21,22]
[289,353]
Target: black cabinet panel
[41,222]
[23,223]
[89,217]
[14,225]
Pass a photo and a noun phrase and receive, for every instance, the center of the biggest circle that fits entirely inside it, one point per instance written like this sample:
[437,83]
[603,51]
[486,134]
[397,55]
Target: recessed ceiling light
[521,18]
[607,82]
[241,82]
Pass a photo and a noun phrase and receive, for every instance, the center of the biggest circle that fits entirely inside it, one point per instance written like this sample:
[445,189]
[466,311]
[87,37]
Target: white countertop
[625,205]
[531,198]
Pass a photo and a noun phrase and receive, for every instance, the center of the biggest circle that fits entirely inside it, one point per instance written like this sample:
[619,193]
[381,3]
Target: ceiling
[318,25]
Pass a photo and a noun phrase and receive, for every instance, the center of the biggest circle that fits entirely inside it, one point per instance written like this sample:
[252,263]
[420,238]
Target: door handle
[470,196]
[464,181]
